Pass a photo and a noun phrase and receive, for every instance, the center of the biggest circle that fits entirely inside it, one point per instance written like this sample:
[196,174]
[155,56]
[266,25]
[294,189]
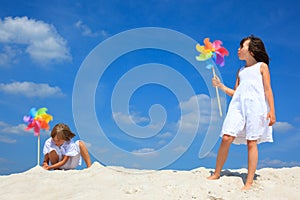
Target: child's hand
[45,166]
[216,82]
[272,118]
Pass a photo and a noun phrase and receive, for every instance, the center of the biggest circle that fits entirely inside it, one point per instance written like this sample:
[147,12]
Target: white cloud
[161,142]
[9,56]
[165,135]
[30,89]
[211,155]
[86,31]
[7,131]
[17,130]
[137,125]
[164,138]
[189,105]
[191,114]
[42,41]
[180,149]
[5,139]
[144,150]
[129,119]
[3,124]
[277,163]
[282,127]
[13,130]
[189,122]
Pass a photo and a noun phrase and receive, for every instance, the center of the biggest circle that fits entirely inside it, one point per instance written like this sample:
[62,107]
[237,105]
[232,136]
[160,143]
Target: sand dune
[99,182]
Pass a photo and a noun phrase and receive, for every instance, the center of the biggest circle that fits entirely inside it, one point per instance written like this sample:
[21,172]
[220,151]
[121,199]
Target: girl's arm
[59,164]
[264,69]
[46,161]
[217,83]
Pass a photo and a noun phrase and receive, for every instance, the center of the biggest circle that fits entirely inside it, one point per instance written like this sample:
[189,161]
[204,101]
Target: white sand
[99,182]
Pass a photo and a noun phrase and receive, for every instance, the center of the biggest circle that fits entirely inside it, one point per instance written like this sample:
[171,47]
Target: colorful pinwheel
[37,119]
[212,50]
[216,52]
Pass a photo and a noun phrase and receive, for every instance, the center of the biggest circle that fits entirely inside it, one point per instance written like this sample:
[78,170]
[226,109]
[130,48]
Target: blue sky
[44,45]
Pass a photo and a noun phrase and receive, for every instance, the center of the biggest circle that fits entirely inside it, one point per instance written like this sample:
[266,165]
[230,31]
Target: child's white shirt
[69,148]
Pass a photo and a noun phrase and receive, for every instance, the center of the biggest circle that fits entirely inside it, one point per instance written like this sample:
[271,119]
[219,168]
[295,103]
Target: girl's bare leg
[222,156]
[53,157]
[85,154]
[252,163]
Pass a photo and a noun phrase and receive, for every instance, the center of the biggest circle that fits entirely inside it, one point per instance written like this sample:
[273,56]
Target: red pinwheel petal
[223,51]
[37,128]
[31,125]
[36,131]
[217,44]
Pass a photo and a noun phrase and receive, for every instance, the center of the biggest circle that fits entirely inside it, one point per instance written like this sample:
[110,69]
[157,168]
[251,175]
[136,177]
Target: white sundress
[246,118]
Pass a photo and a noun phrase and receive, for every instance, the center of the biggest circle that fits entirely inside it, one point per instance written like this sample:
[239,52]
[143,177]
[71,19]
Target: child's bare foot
[247,186]
[213,177]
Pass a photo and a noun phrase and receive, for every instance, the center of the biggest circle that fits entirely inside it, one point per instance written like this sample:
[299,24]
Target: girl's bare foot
[213,177]
[247,186]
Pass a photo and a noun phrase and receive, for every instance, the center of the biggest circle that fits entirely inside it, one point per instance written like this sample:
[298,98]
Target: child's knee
[53,153]
[252,143]
[227,139]
[53,157]
[82,145]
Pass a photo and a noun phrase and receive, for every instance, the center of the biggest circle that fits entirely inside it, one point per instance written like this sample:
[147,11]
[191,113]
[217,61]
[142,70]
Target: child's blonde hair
[62,131]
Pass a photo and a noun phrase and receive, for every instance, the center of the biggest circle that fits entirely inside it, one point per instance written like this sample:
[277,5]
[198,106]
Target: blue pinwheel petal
[32,112]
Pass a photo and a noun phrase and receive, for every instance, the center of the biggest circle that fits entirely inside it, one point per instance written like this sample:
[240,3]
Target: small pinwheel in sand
[37,119]
[216,52]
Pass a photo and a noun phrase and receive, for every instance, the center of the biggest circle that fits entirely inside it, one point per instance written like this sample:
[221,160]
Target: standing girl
[251,112]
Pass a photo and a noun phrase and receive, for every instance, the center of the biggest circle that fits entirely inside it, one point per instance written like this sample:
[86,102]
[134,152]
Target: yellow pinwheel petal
[46,117]
[204,56]
[200,48]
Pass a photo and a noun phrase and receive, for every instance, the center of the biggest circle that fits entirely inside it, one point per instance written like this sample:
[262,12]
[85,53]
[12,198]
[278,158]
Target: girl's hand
[272,117]
[216,82]
[45,166]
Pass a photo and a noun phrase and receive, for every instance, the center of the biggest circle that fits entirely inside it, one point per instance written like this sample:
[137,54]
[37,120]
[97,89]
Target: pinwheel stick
[217,92]
[38,119]
[38,154]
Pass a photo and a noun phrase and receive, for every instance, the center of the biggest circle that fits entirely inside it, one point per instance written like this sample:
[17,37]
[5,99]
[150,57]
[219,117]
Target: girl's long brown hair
[257,48]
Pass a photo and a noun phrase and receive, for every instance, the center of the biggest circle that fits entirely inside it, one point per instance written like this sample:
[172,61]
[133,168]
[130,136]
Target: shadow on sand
[243,176]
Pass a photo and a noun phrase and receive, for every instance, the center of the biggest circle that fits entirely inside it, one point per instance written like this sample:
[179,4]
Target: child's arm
[59,164]
[264,69]
[46,161]
[217,83]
